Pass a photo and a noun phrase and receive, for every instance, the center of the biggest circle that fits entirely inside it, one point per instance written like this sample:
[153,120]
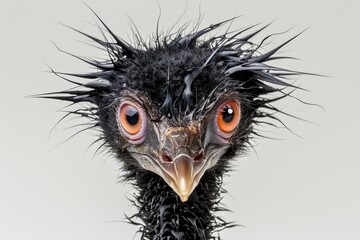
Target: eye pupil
[132,116]
[228,114]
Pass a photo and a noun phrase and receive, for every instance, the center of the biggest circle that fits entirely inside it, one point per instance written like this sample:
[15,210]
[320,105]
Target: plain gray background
[297,188]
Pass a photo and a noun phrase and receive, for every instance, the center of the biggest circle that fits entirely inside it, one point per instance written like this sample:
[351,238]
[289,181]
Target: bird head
[178,107]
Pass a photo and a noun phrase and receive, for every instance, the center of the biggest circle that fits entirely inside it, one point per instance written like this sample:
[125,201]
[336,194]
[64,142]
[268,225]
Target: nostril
[198,157]
[166,158]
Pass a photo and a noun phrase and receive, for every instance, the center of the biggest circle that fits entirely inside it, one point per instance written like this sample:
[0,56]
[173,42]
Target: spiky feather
[183,75]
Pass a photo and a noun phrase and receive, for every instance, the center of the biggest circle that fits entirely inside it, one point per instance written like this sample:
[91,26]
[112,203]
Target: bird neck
[165,216]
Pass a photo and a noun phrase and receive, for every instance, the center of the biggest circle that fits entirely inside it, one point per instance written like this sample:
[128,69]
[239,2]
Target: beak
[182,175]
[182,163]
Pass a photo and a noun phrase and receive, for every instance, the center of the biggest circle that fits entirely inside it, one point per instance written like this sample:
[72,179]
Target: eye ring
[132,122]
[227,119]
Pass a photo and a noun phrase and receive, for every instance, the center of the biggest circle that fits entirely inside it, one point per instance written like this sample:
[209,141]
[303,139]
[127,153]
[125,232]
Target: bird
[177,112]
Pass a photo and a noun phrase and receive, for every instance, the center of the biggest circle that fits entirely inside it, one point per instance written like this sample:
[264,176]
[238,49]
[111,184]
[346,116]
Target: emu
[176,113]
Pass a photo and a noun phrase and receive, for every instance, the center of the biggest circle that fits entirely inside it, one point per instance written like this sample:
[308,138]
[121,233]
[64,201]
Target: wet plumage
[176,114]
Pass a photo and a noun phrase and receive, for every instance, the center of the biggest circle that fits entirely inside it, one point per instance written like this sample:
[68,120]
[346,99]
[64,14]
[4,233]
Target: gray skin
[179,151]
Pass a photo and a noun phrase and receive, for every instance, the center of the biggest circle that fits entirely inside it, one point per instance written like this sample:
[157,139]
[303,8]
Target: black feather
[183,76]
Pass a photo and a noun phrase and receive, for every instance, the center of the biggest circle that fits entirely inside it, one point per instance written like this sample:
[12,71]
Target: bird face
[182,106]
[178,150]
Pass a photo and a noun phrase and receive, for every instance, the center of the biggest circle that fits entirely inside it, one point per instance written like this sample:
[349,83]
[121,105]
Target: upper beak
[182,164]
[183,175]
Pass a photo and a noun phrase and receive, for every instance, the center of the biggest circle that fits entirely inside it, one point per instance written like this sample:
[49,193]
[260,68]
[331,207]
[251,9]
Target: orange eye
[228,116]
[130,119]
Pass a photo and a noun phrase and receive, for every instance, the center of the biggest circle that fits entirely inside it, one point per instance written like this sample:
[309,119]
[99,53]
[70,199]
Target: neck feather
[164,216]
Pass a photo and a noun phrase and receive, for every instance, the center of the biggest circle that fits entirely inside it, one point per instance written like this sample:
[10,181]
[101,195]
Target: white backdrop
[297,188]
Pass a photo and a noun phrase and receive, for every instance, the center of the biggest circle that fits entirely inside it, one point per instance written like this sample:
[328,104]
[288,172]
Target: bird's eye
[132,122]
[227,118]
[130,119]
